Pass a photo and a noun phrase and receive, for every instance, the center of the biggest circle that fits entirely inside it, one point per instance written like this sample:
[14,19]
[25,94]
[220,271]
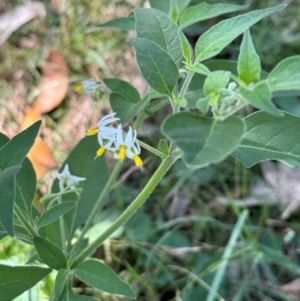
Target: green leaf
[260,97]
[26,188]
[7,197]
[100,276]
[186,47]
[181,101]
[3,140]
[164,32]
[15,150]
[219,36]
[286,75]
[203,140]
[215,81]
[50,253]
[16,280]
[163,6]
[127,23]
[54,213]
[204,11]
[123,88]
[270,137]
[203,104]
[166,5]
[164,147]
[156,65]
[125,109]
[199,68]
[60,282]
[248,62]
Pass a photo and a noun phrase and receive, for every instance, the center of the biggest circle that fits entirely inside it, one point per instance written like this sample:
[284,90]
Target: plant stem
[62,230]
[99,203]
[151,149]
[186,83]
[24,221]
[133,207]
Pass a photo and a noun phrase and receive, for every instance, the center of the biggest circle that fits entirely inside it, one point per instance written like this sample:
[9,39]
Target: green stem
[133,207]
[99,203]
[140,119]
[151,149]
[62,230]
[186,83]
[24,221]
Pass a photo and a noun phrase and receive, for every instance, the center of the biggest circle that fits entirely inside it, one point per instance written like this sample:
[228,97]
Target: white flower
[102,129]
[127,146]
[65,178]
[133,154]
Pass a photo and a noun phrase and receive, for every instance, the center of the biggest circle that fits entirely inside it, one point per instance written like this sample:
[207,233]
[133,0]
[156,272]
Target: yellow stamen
[138,161]
[122,152]
[91,132]
[78,88]
[100,151]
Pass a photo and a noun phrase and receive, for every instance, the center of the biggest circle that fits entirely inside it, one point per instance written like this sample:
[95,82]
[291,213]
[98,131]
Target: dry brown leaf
[54,84]
[41,157]
[292,289]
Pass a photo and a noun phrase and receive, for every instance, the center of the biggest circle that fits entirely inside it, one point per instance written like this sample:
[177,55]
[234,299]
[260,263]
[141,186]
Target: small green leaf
[16,280]
[248,62]
[164,32]
[156,65]
[164,147]
[100,276]
[127,23]
[60,282]
[203,104]
[125,109]
[123,88]
[26,188]
[286,75]
[270,137]
[219,36]
[15,150]
[199,68]
[174,11]
[203,140]
[204,11]
[7,197]
[215,81]
[181,101]
[50,253]
[54,213]
[260,97]
[186,47]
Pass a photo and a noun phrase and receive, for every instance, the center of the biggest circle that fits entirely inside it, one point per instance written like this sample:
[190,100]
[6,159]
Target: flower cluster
[116,140]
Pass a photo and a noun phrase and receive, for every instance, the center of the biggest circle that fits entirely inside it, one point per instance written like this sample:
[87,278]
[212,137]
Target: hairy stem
[24,221]
[133,207]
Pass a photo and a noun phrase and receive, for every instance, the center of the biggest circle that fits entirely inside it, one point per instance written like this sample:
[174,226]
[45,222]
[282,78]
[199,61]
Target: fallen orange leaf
[31,115]
[41,157]
[54,84]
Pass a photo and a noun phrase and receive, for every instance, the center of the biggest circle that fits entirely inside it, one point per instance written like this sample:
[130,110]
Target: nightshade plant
[207,125]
